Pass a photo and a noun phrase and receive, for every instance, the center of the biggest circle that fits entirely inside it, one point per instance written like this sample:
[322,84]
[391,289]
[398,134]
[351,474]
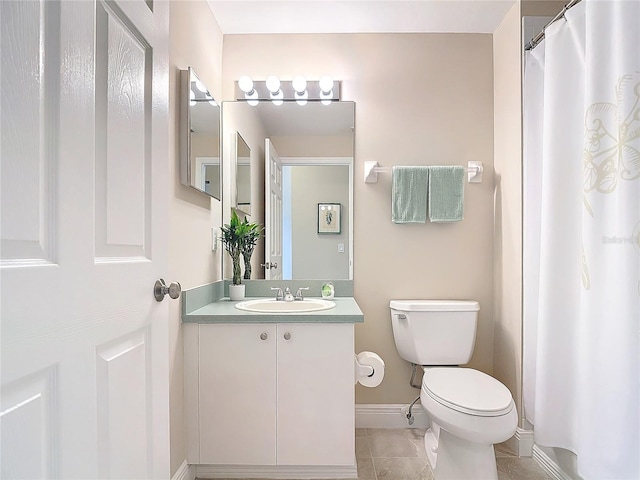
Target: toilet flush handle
[402,316]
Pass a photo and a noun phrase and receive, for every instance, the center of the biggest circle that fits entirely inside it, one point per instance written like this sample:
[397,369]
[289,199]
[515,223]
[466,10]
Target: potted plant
[232,239]
[251,234]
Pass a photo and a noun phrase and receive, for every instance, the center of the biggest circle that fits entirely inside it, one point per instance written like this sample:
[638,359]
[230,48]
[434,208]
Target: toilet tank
[435,332]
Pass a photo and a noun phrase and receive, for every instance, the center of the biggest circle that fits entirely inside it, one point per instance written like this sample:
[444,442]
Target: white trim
[522,442]
[185,472]
[275,471]
[389,416]
[548,465]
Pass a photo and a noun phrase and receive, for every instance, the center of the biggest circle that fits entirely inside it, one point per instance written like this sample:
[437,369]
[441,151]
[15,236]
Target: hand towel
[446,193]
[409,194]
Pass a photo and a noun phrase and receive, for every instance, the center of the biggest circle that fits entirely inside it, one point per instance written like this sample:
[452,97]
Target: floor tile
[366,471]
[502,450]
[514,468]
[396,442]
[362,447]
[402,469]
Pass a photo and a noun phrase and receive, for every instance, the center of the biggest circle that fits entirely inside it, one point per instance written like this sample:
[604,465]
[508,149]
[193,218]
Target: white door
[84,351]
[273,211]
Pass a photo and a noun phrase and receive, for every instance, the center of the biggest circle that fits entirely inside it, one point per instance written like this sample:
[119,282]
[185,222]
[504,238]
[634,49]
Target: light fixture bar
[289,93]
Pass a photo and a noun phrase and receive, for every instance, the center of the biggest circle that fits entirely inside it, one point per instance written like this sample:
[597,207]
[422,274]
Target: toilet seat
[467,391]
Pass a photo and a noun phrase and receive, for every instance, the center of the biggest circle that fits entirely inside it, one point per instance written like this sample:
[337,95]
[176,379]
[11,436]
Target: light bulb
[200,86]
[273,84]
[325,97]
[252,98]
[326,84]
[245,84]
[301,98]
[277,98]
[299,84]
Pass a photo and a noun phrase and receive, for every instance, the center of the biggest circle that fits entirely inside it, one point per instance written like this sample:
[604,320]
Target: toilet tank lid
[435,305]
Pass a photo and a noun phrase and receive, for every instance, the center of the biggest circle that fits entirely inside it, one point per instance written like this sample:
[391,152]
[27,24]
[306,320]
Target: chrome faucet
[299,295]
[279,295]
[288,296]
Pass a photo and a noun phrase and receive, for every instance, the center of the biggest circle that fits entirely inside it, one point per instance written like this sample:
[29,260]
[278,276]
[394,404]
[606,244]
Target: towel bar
[372,169]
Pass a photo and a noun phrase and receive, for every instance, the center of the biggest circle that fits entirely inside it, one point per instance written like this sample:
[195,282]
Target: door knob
[160,289]
[287,336]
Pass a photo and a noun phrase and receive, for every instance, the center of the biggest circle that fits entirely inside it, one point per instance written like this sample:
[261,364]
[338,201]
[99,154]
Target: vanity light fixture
[299,90]
[326,89]
[299,85]
[200,86]
[245,84]
[275,93]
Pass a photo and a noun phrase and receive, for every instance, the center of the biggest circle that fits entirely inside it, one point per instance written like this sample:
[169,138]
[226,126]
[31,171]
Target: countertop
[224,311]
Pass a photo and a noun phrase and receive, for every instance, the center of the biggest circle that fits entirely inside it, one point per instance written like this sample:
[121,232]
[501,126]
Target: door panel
[273,211]
[321,403]
[123,112]
[29,84]
[238,426]
[84,358]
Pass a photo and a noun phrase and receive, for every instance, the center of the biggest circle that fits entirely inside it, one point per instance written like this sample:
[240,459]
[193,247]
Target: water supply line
[409,415]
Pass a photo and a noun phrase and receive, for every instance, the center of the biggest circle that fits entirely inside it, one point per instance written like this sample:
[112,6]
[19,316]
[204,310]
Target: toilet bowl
[469,410]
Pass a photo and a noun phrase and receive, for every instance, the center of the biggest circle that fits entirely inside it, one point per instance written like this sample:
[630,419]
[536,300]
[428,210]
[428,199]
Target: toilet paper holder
[369,369]
[363,370]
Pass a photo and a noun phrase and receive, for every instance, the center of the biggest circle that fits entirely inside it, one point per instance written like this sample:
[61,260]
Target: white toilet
[469,410]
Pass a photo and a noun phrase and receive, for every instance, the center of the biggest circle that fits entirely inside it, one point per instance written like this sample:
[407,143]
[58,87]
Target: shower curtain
[582,238]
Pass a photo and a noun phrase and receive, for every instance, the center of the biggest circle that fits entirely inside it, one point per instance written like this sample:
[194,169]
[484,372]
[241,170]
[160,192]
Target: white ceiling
[358,16]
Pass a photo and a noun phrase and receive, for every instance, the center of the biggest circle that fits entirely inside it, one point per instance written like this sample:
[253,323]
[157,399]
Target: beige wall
[542,7]
[508,204]
[420,99]
[313,255]
[196,41]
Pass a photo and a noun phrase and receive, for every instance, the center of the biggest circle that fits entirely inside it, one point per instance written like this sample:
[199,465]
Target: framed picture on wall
[328,218]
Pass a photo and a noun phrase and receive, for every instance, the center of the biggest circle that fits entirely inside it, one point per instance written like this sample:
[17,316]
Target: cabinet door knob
[264,336]
[287,336]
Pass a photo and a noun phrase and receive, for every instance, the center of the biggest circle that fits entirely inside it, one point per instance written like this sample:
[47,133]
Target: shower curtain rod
[533,43]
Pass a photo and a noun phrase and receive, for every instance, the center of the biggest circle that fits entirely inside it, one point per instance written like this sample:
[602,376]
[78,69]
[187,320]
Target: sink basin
[270,305]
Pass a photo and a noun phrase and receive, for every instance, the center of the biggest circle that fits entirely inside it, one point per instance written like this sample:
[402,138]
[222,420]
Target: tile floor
[399,454]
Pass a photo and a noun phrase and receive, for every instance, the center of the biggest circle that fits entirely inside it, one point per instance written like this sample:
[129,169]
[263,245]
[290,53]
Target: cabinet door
[237,394]
[315,394]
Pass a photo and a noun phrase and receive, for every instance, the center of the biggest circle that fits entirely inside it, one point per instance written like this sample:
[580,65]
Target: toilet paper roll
[373,360]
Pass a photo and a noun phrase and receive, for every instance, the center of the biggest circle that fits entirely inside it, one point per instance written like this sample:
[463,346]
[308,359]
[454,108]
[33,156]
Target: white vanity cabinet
[271,394]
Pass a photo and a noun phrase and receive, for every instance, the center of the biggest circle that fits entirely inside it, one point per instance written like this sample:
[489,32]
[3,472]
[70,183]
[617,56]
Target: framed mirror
[243,175]
[313,148]
[200,165]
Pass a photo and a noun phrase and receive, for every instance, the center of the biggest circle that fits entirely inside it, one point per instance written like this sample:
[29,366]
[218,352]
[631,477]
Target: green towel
[446,193]
[409,194]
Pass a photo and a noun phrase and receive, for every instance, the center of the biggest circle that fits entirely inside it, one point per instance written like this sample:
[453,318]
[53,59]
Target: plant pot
[236,292]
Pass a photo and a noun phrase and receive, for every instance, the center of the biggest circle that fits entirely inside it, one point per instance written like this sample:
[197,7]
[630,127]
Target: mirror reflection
[243,175]
[308,154]
[200,136]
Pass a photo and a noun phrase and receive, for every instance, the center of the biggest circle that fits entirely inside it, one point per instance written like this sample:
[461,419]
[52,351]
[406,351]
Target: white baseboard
[522,442]
[548,465]
[275,471]
[185,472]
[389,416]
